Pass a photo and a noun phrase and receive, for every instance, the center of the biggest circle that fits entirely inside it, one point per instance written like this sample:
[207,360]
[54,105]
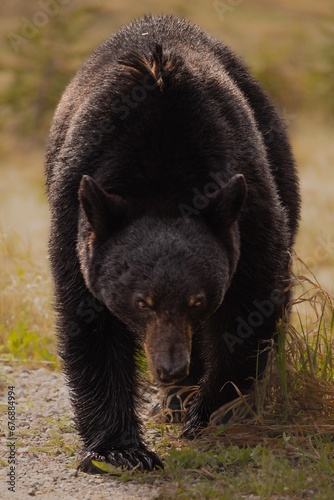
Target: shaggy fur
[174,205]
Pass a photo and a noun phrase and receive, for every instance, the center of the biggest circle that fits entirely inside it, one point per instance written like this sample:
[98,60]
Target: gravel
[46,440]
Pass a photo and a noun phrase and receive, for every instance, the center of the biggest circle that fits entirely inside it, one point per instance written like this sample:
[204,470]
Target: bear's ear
[226,205]
[104,211]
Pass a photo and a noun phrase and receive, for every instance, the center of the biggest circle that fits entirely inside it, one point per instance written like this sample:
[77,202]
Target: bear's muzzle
[168,350]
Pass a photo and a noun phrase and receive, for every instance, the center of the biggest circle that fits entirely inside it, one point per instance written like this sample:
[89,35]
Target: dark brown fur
[169,176]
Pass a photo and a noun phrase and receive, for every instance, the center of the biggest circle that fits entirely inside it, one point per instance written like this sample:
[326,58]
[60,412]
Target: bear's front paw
[198,418]
[193,428]
[132,458]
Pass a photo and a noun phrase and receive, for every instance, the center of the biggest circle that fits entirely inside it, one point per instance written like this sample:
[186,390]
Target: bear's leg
[98,354]
[99,361]
[230,358]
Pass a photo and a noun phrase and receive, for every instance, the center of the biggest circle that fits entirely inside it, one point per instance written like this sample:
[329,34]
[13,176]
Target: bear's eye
[197,301]
[143,303]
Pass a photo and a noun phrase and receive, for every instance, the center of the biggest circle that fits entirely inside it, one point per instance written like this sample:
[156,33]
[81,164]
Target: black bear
[174,205]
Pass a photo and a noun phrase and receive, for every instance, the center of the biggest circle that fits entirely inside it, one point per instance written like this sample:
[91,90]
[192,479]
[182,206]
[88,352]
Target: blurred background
[289,47]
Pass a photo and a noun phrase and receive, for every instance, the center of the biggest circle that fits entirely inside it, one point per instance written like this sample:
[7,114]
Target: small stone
[23,450]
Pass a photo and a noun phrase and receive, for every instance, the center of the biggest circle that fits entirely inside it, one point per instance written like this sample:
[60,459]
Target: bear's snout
[168,371]
[168,351]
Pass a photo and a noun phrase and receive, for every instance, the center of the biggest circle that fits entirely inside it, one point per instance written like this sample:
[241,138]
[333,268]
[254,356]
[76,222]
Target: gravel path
[45,441]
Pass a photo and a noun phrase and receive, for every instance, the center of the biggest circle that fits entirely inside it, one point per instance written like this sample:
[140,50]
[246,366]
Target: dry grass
[293,404]
[295,400]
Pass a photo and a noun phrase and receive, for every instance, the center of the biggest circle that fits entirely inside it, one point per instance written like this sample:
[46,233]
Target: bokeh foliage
[39,60]
[39,67]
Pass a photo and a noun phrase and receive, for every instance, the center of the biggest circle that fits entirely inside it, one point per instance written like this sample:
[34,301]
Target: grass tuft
[294,403]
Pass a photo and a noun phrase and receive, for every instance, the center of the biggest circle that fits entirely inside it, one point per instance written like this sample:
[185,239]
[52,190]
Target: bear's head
[162,275]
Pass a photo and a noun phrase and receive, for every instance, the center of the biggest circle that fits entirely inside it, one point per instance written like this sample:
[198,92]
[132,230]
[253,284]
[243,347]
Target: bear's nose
[167,373]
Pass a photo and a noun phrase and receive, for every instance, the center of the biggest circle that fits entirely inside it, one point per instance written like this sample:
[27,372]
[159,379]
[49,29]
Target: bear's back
[159,107]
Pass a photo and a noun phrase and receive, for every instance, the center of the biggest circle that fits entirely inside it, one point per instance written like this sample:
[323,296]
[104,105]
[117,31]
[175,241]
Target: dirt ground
[45,465]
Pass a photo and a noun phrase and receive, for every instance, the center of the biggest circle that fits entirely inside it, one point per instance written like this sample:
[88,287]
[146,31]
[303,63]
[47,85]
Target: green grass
[285,449]
[26,329]
[233,472]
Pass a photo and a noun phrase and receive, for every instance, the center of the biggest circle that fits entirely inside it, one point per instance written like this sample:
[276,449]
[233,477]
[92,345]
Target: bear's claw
[193,428]
[134,458]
